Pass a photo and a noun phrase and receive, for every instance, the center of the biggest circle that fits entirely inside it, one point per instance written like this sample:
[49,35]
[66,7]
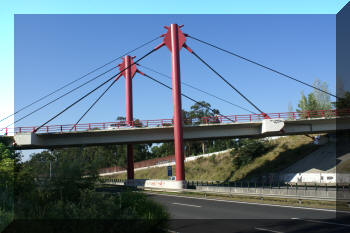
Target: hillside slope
[321,160]
[285,152]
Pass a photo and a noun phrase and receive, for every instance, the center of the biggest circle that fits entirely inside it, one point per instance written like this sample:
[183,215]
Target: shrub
[249,150]
[70,195]
[212,159]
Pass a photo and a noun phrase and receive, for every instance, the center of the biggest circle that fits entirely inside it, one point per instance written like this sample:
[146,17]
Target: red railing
[169,122]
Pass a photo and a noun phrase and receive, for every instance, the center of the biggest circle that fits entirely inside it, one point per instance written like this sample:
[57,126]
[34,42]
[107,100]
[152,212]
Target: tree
[246,150]
[163,149]
[290,110]
[201,113]
[8,166]
[322,99]
[340,87]
[290,107]
[121,120]
[315,100]
[200,110]
[72,194]
[343,103]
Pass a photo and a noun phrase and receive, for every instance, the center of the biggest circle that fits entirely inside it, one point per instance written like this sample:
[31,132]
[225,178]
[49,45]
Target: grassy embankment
[285,151]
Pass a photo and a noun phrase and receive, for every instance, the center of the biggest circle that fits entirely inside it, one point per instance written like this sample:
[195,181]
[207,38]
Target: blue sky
[51,50]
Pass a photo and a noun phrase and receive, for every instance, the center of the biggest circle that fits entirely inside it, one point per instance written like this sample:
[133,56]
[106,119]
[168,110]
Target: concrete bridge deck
[191,132]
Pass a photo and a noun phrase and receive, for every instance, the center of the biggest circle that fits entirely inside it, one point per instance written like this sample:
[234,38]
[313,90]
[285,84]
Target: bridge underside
[164,134]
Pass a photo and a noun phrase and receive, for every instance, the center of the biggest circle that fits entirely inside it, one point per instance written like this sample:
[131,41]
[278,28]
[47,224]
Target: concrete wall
[152,184]
[319,178]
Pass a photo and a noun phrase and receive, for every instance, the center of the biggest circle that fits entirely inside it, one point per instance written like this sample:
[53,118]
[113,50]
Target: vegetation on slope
[251,158]
[8,158]
[29,191]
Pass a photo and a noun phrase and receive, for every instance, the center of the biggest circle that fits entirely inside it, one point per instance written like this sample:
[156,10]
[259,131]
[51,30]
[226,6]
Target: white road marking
[263,229]
[250,203]
[171,231]
[175,203]
[323,222]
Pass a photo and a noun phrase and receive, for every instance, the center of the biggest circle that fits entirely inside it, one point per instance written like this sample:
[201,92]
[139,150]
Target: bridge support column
[177,106]
[129,115]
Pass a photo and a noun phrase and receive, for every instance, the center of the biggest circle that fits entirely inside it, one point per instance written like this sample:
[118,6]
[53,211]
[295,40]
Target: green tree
[246,150]
[343,103]
[164,149]
[8,166]
[322,98]
[200,113]
[71,194]
[315,101]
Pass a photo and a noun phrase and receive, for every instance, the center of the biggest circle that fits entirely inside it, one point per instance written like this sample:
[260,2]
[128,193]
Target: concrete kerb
[157,184]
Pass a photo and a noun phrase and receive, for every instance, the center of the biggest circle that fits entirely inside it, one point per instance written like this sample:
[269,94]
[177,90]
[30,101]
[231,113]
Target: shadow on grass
[282,161]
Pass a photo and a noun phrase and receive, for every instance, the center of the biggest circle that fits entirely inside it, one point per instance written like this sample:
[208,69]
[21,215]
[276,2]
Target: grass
[344,167]
[219,167]
[286,151]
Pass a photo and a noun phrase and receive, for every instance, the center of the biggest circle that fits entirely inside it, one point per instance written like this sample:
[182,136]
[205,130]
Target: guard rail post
[255,186]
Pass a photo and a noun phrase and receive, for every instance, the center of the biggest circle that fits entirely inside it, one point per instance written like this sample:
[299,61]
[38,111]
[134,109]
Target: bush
[212,159]
[70,195]
[248,150]
[127,212]
[6,218]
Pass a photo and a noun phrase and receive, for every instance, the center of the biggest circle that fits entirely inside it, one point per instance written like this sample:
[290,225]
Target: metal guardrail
[245,184]
[302,190]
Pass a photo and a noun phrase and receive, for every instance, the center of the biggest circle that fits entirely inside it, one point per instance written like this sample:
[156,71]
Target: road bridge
[176,129]
[163,133]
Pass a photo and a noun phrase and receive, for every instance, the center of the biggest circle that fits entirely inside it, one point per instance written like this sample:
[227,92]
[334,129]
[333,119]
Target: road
[191,214]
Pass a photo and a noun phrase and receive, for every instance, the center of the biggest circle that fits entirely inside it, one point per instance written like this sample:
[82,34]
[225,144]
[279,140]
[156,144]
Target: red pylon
[129,70]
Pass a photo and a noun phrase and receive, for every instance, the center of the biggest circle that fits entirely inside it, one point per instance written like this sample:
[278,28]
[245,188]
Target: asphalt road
[190,214]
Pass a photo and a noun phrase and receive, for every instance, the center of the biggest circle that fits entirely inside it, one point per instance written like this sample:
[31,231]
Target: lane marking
[323,222]
[175,203]
[171,231]
[263,229]
[251,203]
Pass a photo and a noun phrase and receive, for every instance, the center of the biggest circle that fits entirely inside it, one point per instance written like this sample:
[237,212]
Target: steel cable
[261,65]
[197,89]
[102,84]
[228,83]
[76,80]
[184,95]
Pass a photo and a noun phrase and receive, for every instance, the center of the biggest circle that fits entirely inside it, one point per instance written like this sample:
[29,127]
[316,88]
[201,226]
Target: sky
[51,50]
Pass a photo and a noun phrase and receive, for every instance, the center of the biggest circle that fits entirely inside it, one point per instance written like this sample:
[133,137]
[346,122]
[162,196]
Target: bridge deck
[165,133]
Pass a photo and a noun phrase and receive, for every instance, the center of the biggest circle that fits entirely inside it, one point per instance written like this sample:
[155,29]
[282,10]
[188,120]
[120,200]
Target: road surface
[192,214]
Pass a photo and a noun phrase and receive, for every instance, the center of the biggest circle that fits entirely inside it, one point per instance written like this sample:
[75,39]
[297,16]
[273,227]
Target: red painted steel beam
[129,116]
[174,39]
[129,73]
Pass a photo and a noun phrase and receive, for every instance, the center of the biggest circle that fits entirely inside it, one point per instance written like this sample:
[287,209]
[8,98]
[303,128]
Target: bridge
[177,129]
[149,131]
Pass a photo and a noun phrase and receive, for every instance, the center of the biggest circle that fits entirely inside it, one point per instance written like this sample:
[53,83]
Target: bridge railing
[169,122]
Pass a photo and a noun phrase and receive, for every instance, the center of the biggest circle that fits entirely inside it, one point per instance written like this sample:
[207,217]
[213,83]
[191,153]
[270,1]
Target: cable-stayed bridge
[256,124]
